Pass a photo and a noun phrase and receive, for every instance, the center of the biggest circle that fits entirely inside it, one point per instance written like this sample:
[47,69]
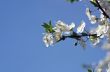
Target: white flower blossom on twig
[48,39]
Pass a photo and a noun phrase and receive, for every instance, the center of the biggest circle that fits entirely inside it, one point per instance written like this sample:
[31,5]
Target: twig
[102,9]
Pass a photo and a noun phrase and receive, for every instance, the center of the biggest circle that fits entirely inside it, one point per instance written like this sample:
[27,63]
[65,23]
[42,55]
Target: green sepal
[108,1]
[92,38]
[89,70]
[48,27]
[72,1]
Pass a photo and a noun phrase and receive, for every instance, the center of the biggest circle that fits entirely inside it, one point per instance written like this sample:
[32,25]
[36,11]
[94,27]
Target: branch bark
[77,36]
[102,9]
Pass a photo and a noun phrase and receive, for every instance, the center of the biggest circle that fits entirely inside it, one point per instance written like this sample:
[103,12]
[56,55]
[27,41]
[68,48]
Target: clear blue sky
[21,46]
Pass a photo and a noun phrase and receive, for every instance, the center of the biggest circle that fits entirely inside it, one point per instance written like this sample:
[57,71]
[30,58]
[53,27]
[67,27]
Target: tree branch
[77,36]
[102,9]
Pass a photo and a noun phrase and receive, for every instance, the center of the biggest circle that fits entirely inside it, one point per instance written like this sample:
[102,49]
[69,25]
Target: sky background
[21,45]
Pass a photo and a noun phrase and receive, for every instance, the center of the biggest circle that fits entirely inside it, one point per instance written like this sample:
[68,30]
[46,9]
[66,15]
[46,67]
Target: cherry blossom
[64,27]
[48,39]
[61,31]
[92,18]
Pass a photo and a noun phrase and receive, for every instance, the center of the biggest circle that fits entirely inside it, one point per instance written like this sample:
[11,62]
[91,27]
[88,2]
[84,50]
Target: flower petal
[48,39]
[71,26]
[81,27]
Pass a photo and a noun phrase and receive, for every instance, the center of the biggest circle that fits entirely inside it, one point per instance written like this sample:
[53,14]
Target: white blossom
[101,30]
[92,18]
[61,25]
[81,27]
[88,13]
[105,6]
[57,33]
[48,39]
[57,36]
[56,29]
[69,31]
[64,27]
[71,26]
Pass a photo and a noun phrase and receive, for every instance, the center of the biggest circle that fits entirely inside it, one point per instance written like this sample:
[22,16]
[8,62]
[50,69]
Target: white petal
[81,27]
[57,35]
[47,45]
[61,25]
[48,39]
[56,29]
[88,13]
[72,26]
[93,19]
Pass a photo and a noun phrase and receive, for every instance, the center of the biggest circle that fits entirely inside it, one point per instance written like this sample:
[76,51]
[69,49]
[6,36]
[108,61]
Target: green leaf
[93,37]
[72,1]
[89,70]
[48,27]
[94,3]
[88,67]
[108,1]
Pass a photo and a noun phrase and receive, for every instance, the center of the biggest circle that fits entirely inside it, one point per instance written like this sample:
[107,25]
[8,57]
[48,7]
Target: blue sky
[21,46]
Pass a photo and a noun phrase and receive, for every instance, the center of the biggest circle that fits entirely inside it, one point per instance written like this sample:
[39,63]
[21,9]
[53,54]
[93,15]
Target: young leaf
[89,70]
[72,1]
[48,27]
[108,1]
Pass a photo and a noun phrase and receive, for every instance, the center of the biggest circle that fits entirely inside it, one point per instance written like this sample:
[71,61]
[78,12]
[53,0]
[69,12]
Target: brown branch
[102,9]
[77,36]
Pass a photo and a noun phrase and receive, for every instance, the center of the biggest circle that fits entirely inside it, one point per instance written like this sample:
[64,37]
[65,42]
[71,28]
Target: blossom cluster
[103,25]
[95,35]
[105,4]
[61,30]
[102,30]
